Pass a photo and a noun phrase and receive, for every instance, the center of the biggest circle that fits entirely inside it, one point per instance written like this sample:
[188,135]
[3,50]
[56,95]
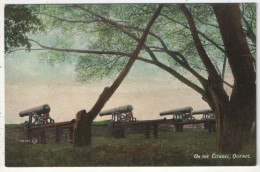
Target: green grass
[14,125]
[170,149]
[104,122]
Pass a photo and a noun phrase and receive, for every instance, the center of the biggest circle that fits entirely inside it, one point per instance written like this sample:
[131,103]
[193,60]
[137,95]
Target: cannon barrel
[176,111]
[205,111]
[121,109]
[38,110]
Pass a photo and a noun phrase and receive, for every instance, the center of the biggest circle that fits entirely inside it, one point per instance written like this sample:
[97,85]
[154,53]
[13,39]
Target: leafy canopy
[19,21]
[117,28]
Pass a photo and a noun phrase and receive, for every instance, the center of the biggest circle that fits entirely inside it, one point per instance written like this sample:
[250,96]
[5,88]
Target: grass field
[170,149]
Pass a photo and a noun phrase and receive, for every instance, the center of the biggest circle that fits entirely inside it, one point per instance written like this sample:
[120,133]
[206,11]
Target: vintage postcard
[129,84]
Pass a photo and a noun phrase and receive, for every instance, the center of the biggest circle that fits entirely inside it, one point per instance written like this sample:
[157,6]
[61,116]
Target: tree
[191,39]
[242,103]
[82,132]
[19,21]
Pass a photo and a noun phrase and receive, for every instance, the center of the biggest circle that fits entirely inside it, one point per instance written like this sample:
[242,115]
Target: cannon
[207,113]
[120,114]
[181,114]
[37,115]
[36,110]
[121,109]
[177,111]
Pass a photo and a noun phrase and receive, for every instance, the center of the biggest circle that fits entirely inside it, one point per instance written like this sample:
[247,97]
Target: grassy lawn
[170,149]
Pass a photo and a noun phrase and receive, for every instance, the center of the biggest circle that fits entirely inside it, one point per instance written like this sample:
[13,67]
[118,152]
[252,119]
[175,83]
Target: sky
[29,82]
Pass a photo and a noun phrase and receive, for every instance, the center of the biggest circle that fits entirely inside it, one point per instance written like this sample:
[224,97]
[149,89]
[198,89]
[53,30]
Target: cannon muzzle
[177,111]
[37,110]
[205,111]
[121,109]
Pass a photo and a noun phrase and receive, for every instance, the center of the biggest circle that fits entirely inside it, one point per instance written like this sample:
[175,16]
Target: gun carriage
[209,116]
[181,114]
[120,114]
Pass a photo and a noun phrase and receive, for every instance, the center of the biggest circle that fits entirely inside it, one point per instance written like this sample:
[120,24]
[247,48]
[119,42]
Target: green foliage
[92,66]
[249,23]
[88,28]
[249,13]
[19,21]
[170,149]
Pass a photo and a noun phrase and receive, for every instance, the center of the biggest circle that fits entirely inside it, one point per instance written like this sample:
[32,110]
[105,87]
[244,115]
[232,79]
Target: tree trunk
[82,129]
[235,115]
[234,125]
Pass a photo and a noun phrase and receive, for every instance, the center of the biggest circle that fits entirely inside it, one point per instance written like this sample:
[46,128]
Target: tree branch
[202,34]
[207,24]
[67,20]
[174,55]
[249,32]
[200,49]
[22,49]
[175,74]
[80,50]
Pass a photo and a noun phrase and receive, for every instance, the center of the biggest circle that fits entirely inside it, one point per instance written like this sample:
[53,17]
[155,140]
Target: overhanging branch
[80,50]
[178,76]
[68,20]
[200,49]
